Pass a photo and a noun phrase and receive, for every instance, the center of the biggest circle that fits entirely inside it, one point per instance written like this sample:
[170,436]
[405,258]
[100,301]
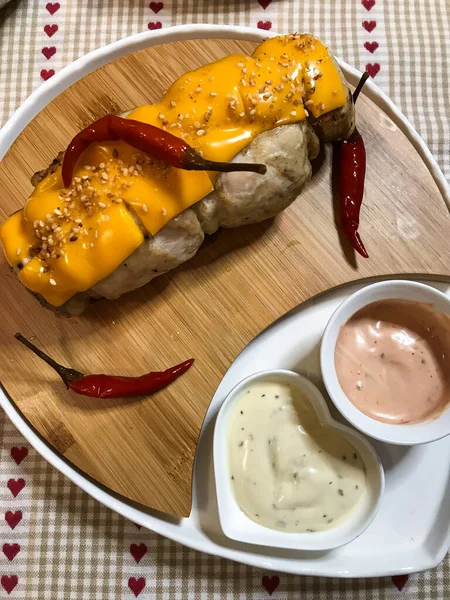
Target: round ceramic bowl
[404,434]
[235,523]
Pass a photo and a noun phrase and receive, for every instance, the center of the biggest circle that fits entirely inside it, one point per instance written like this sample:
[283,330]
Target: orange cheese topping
[67,240]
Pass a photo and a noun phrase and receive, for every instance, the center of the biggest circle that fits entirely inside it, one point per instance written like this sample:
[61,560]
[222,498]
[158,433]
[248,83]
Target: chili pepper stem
[67,375]
[197,163]
[365,76]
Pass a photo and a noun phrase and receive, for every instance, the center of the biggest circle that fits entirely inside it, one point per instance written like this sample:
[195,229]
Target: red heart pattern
[53,7]
[153,25]
[400,581]
[265,25]
[9,582]
[373,69]
[46,74]
[156,6]
[136,585]
[264,3]
[19,454]
[15,486]
[13,518]
[138,551]
[270,583]
[48,51]
[11,550]
[50,30]
[371,46]
[369,25]
[368,4]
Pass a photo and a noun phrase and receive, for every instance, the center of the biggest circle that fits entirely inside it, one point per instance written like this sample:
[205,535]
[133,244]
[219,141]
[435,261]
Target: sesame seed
[306,113]
[198,89]
[62,253]
[18,251]
[322,106]
[173,125]
[163,212]
[213,94]
[52,281]
[197,124]
[102,204]
[131,170]
[242,114]
[334,92]
[309,103]
[85,232]
[268,81]
[161,116]
[87,167]
[180,117]
[172,104]
[293,113]
[92,244]
[240,64]
[57,212]
[145,208]
[104,176]
[102,165]
[77,179]
[124,171]
[243,82]
[96,234]
[201,132]
[252,82]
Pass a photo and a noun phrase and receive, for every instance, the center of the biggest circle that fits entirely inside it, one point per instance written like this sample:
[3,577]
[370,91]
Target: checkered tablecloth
[58,543]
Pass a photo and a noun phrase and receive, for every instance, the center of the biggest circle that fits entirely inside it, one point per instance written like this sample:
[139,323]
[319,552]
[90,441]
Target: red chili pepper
[111,386]
[352,173]
[351,184]
[149,139]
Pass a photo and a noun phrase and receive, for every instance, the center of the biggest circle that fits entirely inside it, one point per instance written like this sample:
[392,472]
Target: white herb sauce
[287,471]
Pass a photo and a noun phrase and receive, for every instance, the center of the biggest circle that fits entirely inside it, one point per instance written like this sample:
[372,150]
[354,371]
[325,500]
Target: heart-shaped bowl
[238,526]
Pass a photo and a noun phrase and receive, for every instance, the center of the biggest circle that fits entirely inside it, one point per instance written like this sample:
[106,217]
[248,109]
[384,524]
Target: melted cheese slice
[66,240]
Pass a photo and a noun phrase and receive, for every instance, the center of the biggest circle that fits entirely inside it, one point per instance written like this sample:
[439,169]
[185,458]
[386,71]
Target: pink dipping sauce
[392,360]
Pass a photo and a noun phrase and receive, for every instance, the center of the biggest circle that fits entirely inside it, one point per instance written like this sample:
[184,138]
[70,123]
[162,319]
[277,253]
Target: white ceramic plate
[411,531]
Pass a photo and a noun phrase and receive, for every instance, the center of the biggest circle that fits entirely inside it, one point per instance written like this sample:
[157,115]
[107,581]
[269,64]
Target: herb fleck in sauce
[285,468]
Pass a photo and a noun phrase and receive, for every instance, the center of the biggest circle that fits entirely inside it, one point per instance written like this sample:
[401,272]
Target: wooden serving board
[239,282]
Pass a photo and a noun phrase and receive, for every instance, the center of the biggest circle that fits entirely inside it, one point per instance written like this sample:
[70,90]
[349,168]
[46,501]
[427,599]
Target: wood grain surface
[240,281]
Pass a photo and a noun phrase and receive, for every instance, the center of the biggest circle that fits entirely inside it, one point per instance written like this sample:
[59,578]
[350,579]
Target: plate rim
[47,92]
